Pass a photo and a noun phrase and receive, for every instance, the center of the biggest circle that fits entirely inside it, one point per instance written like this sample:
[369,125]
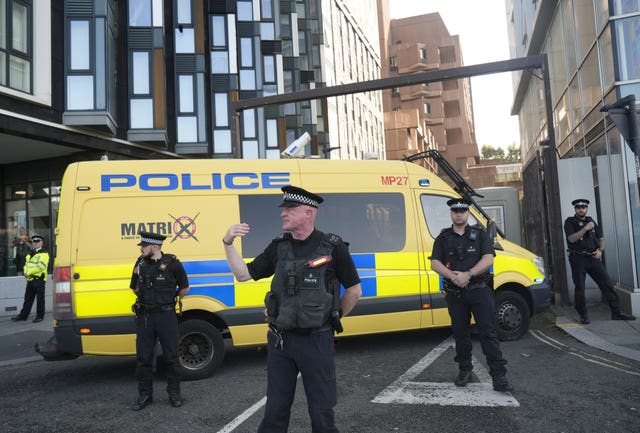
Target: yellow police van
[388,211]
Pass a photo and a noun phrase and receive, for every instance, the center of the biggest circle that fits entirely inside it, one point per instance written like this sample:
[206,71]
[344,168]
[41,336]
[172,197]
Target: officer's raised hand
[234,231]
[590,226]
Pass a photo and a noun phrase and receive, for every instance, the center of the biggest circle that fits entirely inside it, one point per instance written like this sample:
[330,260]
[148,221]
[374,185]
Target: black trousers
[150,327]
[34,290]
[313,356]
[582,265]
[479,301]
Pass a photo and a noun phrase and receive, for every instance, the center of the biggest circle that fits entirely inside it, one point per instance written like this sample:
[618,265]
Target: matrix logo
[182,227]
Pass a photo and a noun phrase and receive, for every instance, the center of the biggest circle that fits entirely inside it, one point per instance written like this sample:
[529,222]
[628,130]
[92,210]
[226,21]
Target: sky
[482,27]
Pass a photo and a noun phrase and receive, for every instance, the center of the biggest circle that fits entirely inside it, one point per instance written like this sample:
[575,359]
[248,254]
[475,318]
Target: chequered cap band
[459,205]
[581,203]
[150,240]
[299,198]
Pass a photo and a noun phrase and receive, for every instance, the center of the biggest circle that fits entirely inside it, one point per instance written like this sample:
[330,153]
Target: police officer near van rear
[35,271]
[462,255]
[303,308]
[586,245]
[157,279]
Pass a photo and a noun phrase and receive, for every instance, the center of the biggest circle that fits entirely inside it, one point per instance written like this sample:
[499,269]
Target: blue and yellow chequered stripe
[213,278]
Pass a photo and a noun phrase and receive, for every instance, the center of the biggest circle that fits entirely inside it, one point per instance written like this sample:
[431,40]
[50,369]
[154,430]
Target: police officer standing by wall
[157,279]
[303,307]
[586,245]
[462,255]
[35,271]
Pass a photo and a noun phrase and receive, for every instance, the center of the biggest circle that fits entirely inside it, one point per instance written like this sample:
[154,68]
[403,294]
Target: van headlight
[539,263]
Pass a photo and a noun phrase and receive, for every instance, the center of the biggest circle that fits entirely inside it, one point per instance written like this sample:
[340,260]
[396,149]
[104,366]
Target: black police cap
[37,238]
[295,196]
[458,203]
[148,238]
[580,202]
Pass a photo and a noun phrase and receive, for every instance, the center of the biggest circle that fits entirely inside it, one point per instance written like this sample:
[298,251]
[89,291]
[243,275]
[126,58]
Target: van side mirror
[491,230]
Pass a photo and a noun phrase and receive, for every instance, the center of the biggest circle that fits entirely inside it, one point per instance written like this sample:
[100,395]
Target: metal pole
[554,228]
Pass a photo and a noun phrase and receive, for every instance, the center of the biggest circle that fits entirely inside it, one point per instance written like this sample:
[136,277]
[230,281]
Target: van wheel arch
[513,314]
[200,349]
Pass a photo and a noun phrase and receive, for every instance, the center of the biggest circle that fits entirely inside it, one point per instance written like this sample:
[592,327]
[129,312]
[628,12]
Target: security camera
[296,149]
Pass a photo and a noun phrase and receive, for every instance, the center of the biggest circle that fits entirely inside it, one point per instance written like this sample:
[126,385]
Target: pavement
[17,339]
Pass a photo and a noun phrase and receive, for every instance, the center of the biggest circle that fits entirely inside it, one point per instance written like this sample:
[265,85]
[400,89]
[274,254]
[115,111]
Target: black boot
[18,318]
[464,376]
[500,383]
[621,315]
[141,402]
[584,319]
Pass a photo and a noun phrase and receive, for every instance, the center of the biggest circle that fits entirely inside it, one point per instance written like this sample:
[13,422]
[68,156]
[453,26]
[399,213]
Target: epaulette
[165,260]
[332,238]
[282,237]
[446,229]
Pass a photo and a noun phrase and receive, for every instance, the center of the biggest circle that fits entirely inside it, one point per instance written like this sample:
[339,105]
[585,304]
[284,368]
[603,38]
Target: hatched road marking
[407,391]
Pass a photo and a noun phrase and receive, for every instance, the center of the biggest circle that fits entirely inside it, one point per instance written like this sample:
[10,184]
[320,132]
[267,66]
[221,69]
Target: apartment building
[107,79]
[427,116]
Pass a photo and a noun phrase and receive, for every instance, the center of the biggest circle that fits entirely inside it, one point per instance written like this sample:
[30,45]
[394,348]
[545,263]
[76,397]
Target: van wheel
[512,315]
[200,349]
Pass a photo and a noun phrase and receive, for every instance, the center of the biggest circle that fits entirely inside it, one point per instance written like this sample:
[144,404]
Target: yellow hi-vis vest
[36,265]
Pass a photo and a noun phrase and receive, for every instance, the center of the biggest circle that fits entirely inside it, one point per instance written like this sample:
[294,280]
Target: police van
[388,211]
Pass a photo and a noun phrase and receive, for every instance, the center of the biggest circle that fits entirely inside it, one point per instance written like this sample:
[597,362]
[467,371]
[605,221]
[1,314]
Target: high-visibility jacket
[36,266]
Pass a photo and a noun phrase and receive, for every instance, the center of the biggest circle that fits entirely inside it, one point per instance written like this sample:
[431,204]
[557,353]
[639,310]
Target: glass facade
[586,72]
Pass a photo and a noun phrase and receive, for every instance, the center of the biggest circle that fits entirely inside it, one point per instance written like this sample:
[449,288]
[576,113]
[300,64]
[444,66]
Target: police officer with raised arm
[303,307]
[586,245]
[463,255]
[158,280]
[35,271]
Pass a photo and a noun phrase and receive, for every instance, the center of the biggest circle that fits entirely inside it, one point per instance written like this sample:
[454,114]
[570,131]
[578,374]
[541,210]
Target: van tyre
[512,315]
[200,349]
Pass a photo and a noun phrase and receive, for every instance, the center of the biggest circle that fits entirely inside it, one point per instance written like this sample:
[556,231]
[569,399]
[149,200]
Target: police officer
[35,271]
[157,280]
[303,308]
[462,255]
[586,245]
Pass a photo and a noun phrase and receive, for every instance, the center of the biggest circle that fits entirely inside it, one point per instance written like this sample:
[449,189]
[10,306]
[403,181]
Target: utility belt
[38,278]
[582,252]
[300,331]
[157,308]
[449,287]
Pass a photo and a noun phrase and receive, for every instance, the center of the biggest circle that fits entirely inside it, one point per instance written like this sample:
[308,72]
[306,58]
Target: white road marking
[245,415]
[407,391]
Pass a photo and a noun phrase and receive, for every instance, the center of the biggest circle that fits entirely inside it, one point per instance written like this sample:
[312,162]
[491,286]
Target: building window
[15,44]
[447,54]
[423,54]
[426,108]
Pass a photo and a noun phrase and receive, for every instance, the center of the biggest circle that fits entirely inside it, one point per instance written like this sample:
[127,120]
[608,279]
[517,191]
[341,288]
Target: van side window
[437,214]
[369,222]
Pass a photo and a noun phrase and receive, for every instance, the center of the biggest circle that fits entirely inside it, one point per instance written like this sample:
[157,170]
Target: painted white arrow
[407,391]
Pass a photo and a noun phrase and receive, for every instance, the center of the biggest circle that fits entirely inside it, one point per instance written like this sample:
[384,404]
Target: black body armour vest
[462,252]
[157,286]
[589,241]
[303,295]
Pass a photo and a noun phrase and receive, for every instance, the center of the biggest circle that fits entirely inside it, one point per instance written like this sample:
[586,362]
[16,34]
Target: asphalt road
[391,383]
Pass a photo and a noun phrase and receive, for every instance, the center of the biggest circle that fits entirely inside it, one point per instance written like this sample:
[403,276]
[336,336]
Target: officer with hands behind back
[462,255]
[303,308]
[157,279]
[586,245]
